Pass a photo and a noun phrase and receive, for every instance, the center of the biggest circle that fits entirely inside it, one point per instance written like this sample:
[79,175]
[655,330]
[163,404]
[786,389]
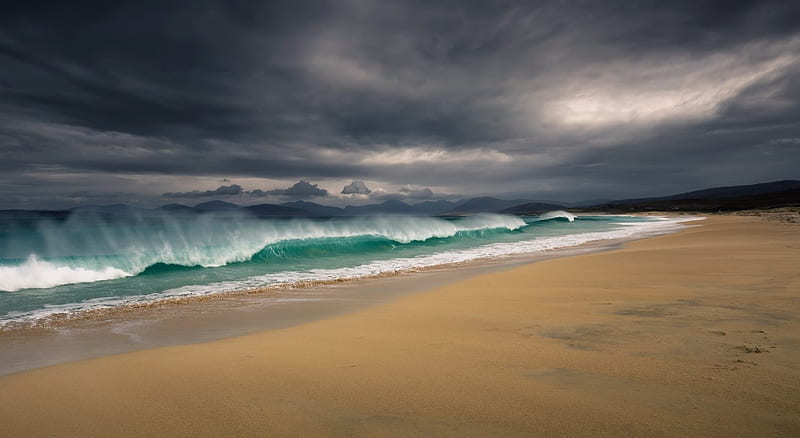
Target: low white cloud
[417,193]
[411,193]
[356,188]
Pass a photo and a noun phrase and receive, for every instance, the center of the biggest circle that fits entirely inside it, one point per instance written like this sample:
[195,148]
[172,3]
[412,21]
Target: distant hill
[216,206]
[765,195]
[588,202]
[177,208]
[722,192]
[533,208]
[268,210]
[434,207]
[485,204]
[260,210]
[112,210]
[387,207]
[314,208]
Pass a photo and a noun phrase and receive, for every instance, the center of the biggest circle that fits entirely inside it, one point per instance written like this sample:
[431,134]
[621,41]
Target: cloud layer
[543,100]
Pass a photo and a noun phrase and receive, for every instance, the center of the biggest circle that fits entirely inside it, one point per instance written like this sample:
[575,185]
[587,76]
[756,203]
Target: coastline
[651,339]
[52,315]
[195,319]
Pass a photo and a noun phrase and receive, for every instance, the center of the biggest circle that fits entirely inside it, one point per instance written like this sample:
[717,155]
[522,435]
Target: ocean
[64,266]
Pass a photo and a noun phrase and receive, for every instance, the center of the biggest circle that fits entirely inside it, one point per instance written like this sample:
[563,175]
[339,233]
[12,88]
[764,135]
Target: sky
[357,101]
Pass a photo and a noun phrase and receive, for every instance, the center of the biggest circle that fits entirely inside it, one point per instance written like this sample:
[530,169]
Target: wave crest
[94,251]
[557,214]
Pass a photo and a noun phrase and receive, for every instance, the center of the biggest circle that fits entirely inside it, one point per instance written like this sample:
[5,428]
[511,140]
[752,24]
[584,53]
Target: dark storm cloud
[231,190]
[563,98]
[300,190]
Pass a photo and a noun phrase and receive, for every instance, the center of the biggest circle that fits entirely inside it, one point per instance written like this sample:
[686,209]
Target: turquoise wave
[74,265]
[45,255]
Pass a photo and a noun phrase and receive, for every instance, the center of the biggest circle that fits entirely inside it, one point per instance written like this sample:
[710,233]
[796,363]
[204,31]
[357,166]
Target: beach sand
[690,334]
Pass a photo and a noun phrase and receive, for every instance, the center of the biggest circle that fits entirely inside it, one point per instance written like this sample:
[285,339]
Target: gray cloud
[301,189]
[423,193]
[356,188]
[546,99]
[231,190]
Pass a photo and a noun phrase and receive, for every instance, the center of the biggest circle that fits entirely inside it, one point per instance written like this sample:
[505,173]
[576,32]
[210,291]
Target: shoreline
[694,333]
[197,319]
[58,315]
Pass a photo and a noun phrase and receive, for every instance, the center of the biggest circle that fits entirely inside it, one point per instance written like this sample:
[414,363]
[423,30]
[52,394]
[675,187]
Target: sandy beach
[690,334]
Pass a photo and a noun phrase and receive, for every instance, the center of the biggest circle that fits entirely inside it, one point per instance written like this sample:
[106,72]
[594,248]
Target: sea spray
[35,273]
[91,248]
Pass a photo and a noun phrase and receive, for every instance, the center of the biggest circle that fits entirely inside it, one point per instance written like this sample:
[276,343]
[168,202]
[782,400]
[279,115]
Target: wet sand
[203,319]
[690,334]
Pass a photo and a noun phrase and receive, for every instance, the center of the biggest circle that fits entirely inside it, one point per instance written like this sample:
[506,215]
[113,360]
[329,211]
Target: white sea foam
[35,273]
[657,226]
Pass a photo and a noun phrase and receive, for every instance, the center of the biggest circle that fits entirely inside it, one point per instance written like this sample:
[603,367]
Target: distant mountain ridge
[773,194]
[532,208]
[386,207]
[728,198]
[722,192]
[269,210]
[216,206]
[433,208]
[485,204]
[314,208]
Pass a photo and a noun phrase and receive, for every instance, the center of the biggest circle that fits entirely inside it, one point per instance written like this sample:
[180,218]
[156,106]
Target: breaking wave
[369,269]
[558,214]
[96,250]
